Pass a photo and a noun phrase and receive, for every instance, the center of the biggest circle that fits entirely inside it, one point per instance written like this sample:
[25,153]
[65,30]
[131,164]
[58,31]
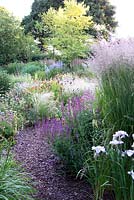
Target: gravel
[46,169]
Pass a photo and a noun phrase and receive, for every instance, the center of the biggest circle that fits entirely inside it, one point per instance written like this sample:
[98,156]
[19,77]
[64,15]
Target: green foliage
[14,68]
[97,172]
[28,48]
[7,128]
[116,99]
[67,151]
[14,45]
[46,106]
[101,11]
[8,122]
[103,16]
[109,171]
[21,78]
[56,88]
[68,35]
[122,182]
[31,22]
[9,32]
[38,57]
[72,149]
[22,104]
[81,71]
[53,72]
[66,95]
[40,75]
[14,183]
[24,68]
[30,69]
[5,82]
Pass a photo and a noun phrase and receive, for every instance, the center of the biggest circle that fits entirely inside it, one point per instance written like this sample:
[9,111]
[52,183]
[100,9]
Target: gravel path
[33,151]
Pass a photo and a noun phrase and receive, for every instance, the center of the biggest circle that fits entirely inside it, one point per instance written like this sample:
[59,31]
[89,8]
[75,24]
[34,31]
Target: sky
[124,13]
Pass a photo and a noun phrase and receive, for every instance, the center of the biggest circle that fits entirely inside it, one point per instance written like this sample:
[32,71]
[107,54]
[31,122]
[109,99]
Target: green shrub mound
[30,69]
[14,68]
[5,82]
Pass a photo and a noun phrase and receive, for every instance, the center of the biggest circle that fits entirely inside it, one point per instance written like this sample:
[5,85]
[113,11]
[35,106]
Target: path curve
[45,168]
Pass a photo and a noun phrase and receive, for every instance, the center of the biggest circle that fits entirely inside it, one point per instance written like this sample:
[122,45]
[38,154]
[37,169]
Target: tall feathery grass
[114,64]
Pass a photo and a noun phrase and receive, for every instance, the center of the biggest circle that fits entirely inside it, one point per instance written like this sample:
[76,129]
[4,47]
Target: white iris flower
[129,152]
[131,173]
[98,150]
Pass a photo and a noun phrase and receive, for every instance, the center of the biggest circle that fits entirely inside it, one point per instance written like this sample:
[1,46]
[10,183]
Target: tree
[14,44]
[67,26]
[101,11]
[38,8]
[103,16]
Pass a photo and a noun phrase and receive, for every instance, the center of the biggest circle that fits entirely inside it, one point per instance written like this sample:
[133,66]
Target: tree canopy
[67,26]
[103,15]
[14,45]
[101,11]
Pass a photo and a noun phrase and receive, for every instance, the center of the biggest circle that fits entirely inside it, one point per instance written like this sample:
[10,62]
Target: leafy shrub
[69,153]
[39,57]
[30,69]
[67,95]
[14,44]
[22,104]
[8,124]
[4,82]
[116,99]
[14,68]
[53,72]
[76,105]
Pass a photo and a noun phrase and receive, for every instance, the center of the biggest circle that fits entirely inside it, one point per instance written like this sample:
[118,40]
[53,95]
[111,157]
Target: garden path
[46,169]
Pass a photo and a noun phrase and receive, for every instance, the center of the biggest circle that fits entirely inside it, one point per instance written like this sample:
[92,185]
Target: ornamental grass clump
[114,64]
[116,100]
[14,182]
[113,53]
